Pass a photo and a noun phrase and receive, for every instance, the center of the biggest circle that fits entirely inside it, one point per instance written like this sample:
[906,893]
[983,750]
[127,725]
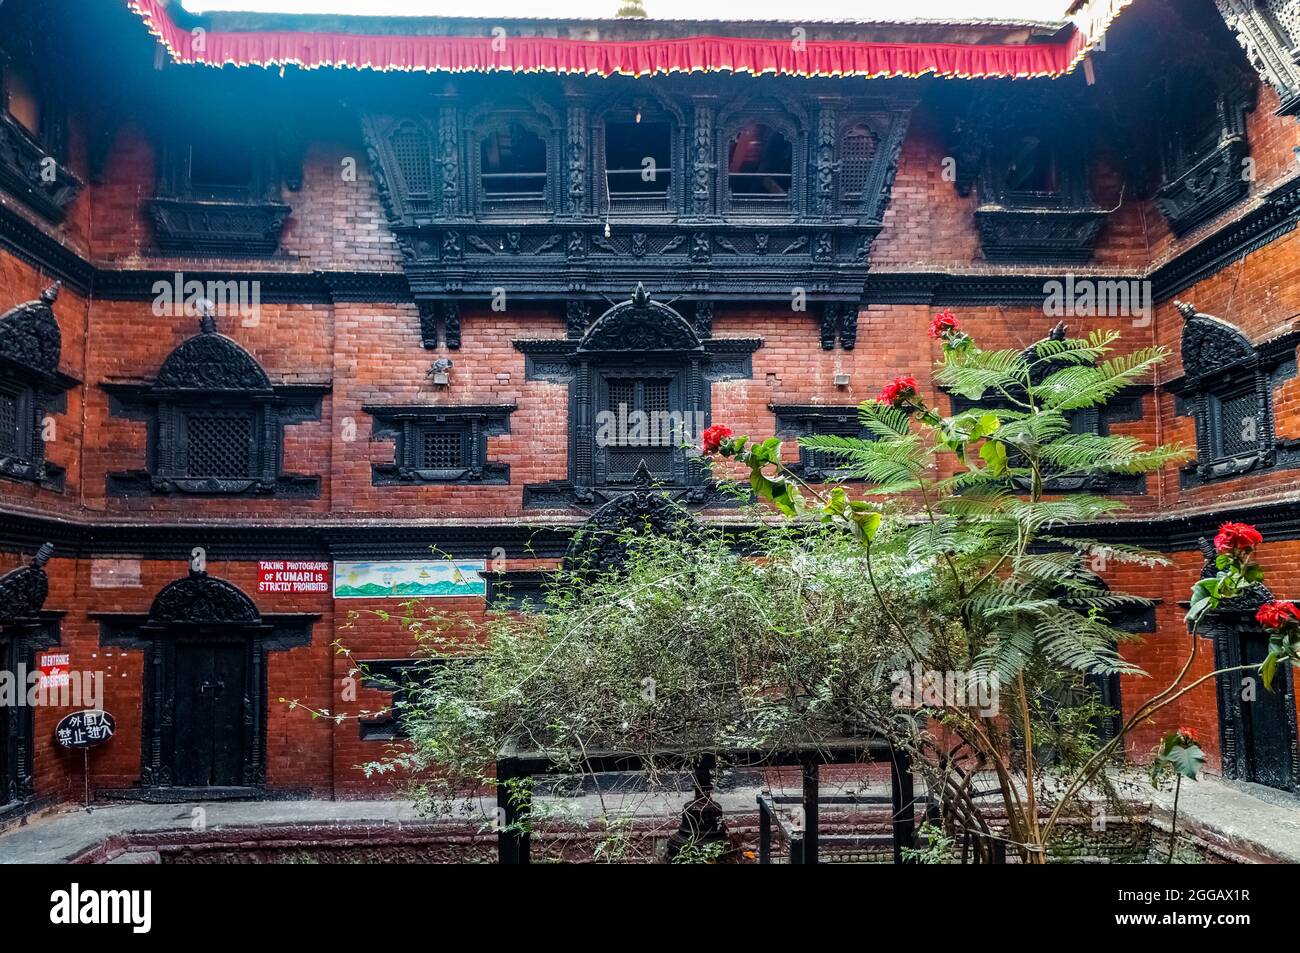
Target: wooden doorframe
[1225,629]
[158,729]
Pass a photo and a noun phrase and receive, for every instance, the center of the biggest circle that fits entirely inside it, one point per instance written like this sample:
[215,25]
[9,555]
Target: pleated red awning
[481,54]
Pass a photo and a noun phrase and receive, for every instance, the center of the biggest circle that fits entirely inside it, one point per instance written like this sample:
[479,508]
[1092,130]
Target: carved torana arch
[200,599]
[640,324]
[603,542]
[23,590]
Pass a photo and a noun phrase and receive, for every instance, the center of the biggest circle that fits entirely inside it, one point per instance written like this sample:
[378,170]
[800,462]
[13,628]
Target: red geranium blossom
[898,390]
[1189,734]
[714,436]
[945,322]
[1274,615]
[1237,537]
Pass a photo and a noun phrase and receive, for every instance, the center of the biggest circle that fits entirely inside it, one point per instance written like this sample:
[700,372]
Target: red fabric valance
[601,58]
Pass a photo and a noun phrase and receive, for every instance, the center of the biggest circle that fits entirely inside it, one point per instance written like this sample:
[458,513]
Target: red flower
[1274,615]
[1237,538]
[944,323]
[898,390]
[1189,734]
[714,436]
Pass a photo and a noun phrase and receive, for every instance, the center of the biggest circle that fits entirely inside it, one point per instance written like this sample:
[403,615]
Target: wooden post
[810,819]
[512,845]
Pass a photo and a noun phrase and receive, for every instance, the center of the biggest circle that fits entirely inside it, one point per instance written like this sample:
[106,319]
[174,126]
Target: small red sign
[54,668]
[280,575]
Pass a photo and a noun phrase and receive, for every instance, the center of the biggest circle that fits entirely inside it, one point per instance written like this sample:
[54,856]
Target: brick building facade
[477,195]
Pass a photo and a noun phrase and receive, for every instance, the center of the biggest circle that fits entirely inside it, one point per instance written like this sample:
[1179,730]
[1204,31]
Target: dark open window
[760,166]
[638,164]
[1031,169]
[227,171]
[513,165]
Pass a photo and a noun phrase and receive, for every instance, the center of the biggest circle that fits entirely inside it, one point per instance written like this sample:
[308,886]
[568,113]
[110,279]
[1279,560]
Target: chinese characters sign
[85,729]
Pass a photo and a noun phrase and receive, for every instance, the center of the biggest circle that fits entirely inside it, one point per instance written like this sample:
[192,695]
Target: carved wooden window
[216,423]
[1228,390]
[644,420]
[440,444]
[1233,421]
[857,156]
[813,420]
[16,421]
[219,442]
[414,159]
[760,167]
[638,165]
[513,168]
[1030,171]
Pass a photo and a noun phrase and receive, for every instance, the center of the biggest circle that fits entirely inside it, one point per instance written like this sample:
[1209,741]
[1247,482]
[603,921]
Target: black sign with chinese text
[85,729]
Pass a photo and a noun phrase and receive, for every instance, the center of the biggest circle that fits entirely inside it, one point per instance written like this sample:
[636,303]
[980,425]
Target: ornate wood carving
[470,424]
[601,545]
[1196,188]
[1228,388]
[33,176]
[200,599]
[465,244]
[210,397]
[640,339]
[32,385]
[839,323]
[1269,32]
[227,229]
[23,590]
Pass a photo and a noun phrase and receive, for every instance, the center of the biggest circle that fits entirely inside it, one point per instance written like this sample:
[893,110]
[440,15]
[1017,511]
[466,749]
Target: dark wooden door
[1266,727]
[209,718]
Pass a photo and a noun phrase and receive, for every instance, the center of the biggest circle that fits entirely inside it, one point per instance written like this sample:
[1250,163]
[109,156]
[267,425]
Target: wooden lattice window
[10,415]
[1234,424]
[220,445]
[857,155]
[412,153]
[643,427]
[442,449]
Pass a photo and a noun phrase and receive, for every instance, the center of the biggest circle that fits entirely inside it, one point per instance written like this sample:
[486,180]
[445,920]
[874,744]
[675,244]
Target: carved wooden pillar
[576,156]
[703,163]
[824,166]
[449,165]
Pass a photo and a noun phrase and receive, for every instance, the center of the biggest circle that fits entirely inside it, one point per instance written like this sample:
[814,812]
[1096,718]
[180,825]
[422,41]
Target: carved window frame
[625,109]
[1201,181]
[541,126]
[1221,365]
[794,421]
[232,381]
[406,426]
[795,132]
[24,154]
